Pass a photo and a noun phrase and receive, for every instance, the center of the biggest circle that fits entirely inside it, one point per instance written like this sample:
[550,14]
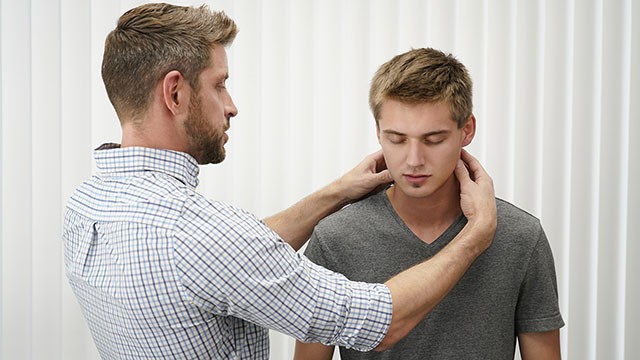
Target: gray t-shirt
[510,289]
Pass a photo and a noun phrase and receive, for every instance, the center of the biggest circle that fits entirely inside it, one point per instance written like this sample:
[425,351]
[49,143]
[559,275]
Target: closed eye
[396,138]
[435,138]
[434,141]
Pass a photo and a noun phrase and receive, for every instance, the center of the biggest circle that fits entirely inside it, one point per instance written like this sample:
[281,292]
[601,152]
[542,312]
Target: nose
[230,108]
[414,154]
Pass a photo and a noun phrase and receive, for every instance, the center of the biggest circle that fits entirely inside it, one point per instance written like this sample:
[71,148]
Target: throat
[427,218]
[429,234]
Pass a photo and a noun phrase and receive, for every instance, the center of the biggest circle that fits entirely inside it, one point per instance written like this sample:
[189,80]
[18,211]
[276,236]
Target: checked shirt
[162,272]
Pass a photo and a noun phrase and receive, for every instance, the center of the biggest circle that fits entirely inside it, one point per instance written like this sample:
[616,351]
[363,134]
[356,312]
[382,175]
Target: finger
[384,176]
[462,173]
[378,156]
[469,159]
[383,179]
[475,168]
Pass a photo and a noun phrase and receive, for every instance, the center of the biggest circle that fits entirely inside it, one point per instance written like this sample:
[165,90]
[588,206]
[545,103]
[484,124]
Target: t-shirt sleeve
[232,264]
[537,308]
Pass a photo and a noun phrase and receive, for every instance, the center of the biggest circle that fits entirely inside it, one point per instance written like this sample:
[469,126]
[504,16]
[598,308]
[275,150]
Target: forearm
[313,351]
[295,224]
[540,345]
[416,291]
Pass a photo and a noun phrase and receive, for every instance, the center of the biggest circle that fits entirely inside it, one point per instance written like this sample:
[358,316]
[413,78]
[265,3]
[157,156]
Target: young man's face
[210,110]
[421,145]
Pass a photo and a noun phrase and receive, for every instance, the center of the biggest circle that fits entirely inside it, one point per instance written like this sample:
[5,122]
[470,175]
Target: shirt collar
[111,159]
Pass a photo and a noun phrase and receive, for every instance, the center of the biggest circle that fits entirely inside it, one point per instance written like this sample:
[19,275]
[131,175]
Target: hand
[295,224]
[477,196]
[369,176]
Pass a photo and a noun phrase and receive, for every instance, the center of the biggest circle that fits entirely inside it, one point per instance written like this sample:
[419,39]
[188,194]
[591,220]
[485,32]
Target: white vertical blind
[557,90]
[77,74]
[631,234]
[17,220]
[45,289]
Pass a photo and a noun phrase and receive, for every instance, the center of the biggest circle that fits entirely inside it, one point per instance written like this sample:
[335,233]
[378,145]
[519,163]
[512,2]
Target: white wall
[556,97]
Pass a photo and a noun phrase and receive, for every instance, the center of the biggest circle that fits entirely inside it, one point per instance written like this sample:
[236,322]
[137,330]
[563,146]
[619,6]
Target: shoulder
[352,230]
[517,228]
[518,231]
[515,218]
[147,199]
[213,234]
[221,219]
[355,217]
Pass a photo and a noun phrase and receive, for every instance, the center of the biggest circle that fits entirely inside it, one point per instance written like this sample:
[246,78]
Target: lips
[416,178]
[226,128]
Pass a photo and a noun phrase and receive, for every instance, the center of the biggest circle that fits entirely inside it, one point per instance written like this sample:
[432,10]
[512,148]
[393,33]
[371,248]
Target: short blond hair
[424,75]
[153,39]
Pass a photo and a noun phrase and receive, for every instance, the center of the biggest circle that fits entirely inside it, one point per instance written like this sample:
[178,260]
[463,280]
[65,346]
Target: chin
[416,192]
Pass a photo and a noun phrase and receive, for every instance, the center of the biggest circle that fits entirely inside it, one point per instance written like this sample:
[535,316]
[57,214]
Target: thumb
[384,176]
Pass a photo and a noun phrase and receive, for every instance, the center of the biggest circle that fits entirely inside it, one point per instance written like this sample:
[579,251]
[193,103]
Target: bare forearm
[540,345]
[313,351]
[416,291]
[295,224]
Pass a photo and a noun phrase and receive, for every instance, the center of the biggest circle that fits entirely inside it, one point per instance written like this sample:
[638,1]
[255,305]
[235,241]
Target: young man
[162,272]
[422,104]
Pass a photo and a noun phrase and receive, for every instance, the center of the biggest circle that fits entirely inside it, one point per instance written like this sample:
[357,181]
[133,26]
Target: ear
[469,130]
[378,131]
[175,91]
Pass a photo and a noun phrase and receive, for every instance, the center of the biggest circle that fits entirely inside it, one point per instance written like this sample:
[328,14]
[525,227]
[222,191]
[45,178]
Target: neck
[151,133]
[428,216]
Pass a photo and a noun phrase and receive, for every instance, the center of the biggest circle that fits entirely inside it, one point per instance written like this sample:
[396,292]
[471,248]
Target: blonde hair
[424,75]
[153,39]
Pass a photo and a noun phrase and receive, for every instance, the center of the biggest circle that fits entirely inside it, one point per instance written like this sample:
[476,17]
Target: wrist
[337,193]
[481,231]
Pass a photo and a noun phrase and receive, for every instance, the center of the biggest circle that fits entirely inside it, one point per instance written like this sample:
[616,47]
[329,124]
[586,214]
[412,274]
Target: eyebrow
[427,134]
[222,76]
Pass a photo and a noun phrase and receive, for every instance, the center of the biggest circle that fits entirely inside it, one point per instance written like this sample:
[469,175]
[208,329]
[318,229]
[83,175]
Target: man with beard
[162,272]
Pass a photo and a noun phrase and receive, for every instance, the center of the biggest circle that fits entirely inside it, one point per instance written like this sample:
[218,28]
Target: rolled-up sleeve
[231,264]
[345,313]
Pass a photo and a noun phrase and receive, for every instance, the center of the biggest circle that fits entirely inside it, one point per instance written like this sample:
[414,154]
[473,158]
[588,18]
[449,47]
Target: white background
[556,97]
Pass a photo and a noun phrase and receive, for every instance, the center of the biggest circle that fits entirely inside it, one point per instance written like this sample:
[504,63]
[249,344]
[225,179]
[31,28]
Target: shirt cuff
[355,315]
[369,317]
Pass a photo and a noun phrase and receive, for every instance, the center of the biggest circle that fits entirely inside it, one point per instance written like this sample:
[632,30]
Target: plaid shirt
[162,272]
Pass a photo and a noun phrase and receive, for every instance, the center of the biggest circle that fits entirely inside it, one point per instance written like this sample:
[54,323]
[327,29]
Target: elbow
[395,333]
[383,347]
[386,344]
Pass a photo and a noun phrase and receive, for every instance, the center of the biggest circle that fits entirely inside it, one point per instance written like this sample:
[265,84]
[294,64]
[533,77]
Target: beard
[205,142]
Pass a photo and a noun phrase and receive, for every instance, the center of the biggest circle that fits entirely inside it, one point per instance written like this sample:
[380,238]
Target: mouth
[226,128]
[415,178]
